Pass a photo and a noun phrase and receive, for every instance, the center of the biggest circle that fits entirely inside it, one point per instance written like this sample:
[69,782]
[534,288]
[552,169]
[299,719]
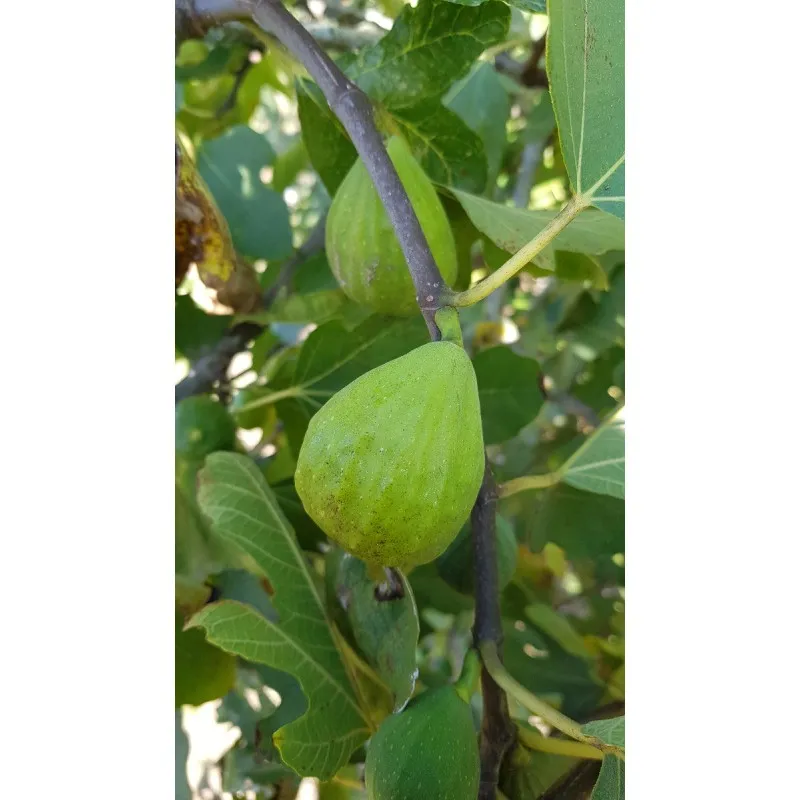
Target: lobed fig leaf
[428,750]
[361,244]
[391,465]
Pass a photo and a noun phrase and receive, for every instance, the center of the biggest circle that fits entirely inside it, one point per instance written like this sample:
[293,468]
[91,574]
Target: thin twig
[497,730]
[354,110]
[211,368]
[193,18]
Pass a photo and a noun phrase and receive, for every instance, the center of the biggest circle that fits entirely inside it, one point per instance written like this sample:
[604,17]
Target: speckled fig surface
[391,465]
[361,245]
[430,750]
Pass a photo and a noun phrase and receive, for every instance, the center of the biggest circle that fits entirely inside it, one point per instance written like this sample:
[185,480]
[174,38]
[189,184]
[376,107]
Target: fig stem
[529,482]
[392,588]
[532,703]
[449,325]
[354,110]
[560,747]
[522,257]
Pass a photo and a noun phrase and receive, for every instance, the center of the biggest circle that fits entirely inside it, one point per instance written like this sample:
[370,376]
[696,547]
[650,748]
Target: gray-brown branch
[497,730]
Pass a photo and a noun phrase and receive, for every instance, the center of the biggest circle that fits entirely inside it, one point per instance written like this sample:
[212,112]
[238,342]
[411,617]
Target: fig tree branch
[212,368]
[497,730]
[354,110]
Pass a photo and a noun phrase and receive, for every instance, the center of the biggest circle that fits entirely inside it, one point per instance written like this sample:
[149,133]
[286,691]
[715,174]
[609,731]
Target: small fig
[361,244]
[391,465]
[429,750]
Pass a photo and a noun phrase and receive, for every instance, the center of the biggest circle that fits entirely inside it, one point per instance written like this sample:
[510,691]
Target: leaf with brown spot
[202,237]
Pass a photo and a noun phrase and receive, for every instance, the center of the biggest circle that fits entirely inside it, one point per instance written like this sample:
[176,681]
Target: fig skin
[390,467]
[361,244]
[429,750]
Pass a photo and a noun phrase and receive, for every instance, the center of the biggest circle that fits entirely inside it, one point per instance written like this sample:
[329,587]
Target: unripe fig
[361,245]
[429,750]
[391,465]
[456,566]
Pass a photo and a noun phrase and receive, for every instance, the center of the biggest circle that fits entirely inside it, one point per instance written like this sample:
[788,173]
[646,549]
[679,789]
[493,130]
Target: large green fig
[430,750]
[362,247]
[391,465]
[457,564]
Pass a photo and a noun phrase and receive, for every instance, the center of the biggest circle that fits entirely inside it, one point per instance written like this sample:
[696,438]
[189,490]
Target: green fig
[456,566]
[361,244]
[429,750]
[391,465]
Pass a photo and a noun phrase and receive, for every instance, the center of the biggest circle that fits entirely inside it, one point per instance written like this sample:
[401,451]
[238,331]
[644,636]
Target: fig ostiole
[361,244]
[391,465]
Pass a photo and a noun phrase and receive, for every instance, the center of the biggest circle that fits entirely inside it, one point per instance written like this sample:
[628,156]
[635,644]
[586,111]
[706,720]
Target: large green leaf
[592,232]
[244,511]
[257,216]
[449,151]
[611,781]
[586,68]
[481,101]
[428,48]
[508,386]
[599,464]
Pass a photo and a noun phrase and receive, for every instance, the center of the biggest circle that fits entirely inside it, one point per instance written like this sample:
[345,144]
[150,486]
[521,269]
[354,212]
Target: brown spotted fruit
[391,465]
[361,244]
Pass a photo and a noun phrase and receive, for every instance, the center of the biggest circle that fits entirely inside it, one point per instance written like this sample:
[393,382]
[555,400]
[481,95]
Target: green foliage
[202,426]
[244,511]
[586,65]
[321,660]
[428,48]
[257,216]
[384,632]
